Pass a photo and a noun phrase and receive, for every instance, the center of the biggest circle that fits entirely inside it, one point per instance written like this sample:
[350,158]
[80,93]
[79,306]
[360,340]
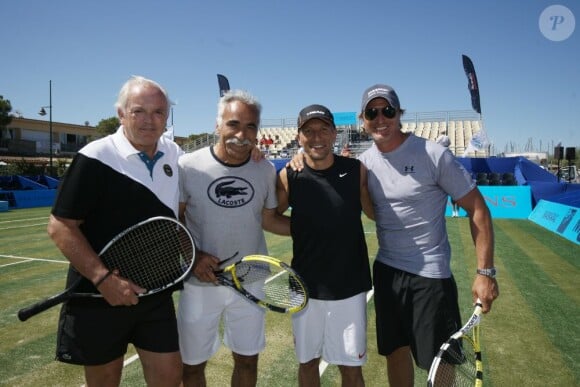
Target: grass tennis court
[531,337]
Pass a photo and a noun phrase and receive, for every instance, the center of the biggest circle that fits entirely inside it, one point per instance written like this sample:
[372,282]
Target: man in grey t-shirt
[415,294]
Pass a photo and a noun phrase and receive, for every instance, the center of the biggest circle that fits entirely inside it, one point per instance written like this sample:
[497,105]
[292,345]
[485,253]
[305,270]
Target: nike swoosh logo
[342,174]
[360,356]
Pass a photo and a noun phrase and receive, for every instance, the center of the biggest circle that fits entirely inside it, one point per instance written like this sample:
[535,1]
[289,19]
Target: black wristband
[99,282]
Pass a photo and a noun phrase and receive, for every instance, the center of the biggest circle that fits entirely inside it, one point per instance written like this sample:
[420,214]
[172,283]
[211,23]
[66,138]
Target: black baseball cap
[315,111]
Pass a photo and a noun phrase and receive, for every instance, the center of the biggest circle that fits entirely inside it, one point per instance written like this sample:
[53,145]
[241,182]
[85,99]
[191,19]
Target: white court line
[28,259]
[27,225]
[322,366]
[130,360]
[21,220]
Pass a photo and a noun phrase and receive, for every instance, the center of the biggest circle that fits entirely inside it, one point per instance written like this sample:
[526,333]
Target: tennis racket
[266,281]
[155,254]
[458,362]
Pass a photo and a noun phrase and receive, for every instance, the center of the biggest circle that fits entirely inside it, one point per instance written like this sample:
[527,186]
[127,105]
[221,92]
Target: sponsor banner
[223,84]
[558,218]
[344,118]
[472,84]
[503,202]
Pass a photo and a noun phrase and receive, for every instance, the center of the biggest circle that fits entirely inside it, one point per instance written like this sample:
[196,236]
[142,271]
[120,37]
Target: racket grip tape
[32,310]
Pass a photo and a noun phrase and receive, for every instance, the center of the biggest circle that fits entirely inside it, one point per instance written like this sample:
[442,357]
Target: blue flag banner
[472,83]
[223,84]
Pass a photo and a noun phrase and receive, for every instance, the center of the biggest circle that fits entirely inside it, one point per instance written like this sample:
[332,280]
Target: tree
[5,109]
[107,126]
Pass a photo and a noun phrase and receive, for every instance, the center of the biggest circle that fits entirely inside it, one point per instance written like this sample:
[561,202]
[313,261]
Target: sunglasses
[388,112]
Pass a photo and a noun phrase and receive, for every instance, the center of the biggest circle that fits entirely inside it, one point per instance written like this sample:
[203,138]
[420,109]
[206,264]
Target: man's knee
[248,362]
[314,363]
[192,371]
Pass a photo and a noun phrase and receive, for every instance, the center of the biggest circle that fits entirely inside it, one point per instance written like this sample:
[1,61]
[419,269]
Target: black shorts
[91,332]
[414,311]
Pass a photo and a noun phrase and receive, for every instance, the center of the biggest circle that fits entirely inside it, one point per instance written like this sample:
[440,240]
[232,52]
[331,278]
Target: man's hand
[486,289]
[297,162]
[119,291]
[204,267]
[257,154]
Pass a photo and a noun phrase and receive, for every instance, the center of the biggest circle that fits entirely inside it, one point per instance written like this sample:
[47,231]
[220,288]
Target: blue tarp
[28,191]
[543,184]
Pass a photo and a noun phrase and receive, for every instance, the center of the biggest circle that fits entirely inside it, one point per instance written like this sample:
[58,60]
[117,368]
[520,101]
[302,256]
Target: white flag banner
[169,133]
[477,143]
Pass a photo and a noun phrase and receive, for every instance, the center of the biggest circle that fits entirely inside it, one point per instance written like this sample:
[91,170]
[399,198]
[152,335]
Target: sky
[291,54]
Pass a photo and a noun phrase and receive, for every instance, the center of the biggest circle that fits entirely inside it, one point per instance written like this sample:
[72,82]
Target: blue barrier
[28,191]
[511,202]
[558,218]
[30,198]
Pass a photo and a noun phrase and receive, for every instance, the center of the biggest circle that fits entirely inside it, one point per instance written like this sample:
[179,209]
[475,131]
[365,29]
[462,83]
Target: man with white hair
[226,201]
[114,183]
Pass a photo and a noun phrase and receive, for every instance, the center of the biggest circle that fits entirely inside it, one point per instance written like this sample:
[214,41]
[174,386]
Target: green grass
[529,338]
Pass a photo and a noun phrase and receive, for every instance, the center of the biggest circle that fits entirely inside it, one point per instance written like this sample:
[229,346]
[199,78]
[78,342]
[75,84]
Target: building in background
[25,137]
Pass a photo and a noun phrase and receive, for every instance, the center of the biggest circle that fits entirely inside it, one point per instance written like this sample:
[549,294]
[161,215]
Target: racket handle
[32,310]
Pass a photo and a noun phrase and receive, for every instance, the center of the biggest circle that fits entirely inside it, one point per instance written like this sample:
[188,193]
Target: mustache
[235,141]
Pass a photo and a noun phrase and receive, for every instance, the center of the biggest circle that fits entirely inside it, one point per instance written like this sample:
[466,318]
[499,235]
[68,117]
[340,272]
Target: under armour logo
[409,169]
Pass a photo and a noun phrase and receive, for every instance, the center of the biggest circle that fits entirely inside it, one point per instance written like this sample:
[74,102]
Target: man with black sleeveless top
[330,252]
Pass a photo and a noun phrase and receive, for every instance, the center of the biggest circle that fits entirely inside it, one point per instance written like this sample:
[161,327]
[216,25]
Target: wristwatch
[490,272]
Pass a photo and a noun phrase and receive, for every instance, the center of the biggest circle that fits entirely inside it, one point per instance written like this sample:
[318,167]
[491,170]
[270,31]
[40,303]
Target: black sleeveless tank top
[329,246]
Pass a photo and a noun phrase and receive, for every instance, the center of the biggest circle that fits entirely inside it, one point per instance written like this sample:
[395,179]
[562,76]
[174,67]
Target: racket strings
[271,283]
[457,366]
[153,255]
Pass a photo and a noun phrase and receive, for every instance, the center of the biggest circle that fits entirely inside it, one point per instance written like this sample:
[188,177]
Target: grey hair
[137,80]
[237,95]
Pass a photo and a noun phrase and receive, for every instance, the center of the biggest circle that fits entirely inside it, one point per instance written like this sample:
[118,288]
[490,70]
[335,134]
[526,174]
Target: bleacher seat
[433,134]
[460,132]
[508,178]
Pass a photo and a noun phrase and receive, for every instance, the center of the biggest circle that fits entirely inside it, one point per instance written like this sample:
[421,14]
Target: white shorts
[198,320]
[333,330]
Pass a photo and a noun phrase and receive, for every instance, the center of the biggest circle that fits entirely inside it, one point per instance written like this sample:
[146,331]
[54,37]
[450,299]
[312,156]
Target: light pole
[42,112]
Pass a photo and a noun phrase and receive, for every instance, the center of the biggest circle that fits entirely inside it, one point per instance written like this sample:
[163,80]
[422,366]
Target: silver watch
[490,272]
